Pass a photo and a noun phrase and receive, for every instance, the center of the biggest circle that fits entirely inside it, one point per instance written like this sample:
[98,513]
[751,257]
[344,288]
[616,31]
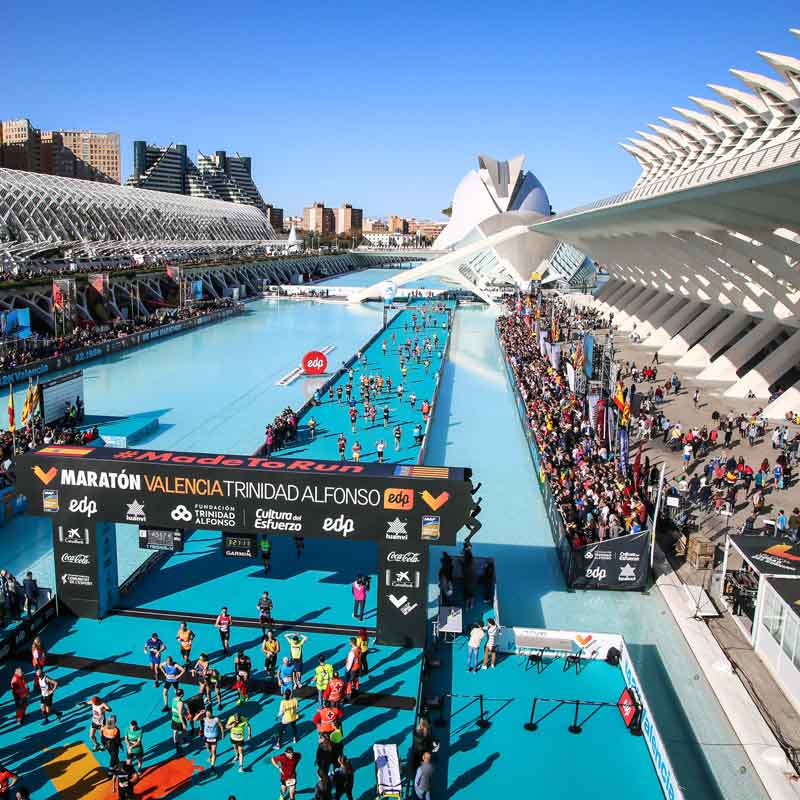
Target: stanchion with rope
[482,722]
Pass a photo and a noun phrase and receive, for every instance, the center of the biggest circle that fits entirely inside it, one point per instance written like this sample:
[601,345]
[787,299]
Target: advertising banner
[623,450]
[571,376]
[621,563]
[58,392]
[64,293]
[555,356]
[769,555]
[75,553]
[16,323]
[99,282]
[403,508]
[197,290]
[588,354]
[655,744]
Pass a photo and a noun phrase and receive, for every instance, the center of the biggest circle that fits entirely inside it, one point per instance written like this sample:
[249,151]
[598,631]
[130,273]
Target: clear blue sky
[382,105]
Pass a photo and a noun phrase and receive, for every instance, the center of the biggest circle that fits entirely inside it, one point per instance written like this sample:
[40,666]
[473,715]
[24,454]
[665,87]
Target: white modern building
[489,242]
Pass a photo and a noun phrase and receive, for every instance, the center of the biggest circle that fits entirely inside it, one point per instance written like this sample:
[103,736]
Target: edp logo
[83,506]
[339,524]
[596,573]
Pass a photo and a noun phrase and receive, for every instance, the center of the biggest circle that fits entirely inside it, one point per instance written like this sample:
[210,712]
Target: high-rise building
[218,177]
[275,216]
[398,224]
[68,154]
[349,220]
[318,219]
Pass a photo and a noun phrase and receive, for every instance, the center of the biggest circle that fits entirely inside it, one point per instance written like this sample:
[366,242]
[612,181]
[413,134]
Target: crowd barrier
[597,646]
[91,352]
[14,642]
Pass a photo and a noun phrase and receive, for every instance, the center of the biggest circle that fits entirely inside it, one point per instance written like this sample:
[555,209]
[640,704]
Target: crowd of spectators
[38,348]
[596,498]
[280,432]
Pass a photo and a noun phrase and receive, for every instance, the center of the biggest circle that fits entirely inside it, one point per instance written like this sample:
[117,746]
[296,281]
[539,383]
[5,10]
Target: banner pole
[656,513]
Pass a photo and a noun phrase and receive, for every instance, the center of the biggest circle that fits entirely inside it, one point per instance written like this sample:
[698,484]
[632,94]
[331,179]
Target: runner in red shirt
[7,780]
[286,763]
[19,688]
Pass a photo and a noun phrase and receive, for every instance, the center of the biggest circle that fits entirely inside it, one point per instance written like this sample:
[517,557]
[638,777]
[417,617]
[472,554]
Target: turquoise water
[216,390]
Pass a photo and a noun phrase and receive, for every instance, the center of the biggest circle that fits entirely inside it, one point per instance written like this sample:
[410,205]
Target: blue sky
[379,105]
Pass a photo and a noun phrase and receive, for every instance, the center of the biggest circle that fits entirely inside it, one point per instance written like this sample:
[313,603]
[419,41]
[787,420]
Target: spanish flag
[619,398]
[27,405]
[12,425]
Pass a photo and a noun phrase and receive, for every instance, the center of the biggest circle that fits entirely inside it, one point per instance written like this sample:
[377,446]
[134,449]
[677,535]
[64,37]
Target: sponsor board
[431,528]
[341,524]
[402,604]
[73,536]
[396,529]
[410,557]
[655,744]
[50,501]
[73,579]
[267,519]
[135,512]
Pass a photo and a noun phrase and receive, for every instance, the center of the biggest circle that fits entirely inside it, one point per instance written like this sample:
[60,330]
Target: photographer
[360,589]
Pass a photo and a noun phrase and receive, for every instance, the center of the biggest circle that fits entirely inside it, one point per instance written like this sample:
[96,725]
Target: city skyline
[392,146]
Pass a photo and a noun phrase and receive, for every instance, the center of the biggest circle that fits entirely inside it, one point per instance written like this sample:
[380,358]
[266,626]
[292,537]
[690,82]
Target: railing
[743,164]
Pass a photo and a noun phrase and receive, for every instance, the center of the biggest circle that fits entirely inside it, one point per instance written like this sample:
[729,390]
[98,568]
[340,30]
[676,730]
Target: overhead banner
[571,376]
[621,563]
[64,293]
[401,507]
[588,354]
[99,282]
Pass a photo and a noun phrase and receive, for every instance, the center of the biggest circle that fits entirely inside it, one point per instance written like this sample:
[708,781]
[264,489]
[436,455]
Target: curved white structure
[489,235]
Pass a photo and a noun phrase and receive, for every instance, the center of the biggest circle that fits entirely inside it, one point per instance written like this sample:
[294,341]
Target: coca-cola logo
[75,558]
[404,558]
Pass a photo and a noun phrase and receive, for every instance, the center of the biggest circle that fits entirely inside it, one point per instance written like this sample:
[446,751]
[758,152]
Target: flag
[626,415]
[619,397]
[12,424]
[27,406]
[36,399]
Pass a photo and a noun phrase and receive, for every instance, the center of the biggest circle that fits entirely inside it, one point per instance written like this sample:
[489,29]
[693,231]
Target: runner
[99,709]
[363,645]
[380,446]
[341,444]
[109,735]
[7,780]
[223,625]
[21,693]
[200,672]
[322,676]
[412,398]
[343,777]
[353,418]
[239,727]
[172,673]
[154,647]
[299,544]
[213,681]
[242,667]
[339,394]
[38,655]
[185,637]
[264,607]
[287,714]
[312,426]
[357,452]
[286,675]
[47,687]
[296,642]
[134,743]
[212,733]
[286,764]
[352,668]
[385,415]
[122,779]
[270,647]
[373,413]
[178,718]
[265,545]
[397,434]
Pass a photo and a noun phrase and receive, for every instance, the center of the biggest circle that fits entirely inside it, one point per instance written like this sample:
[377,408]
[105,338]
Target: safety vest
[335,690]
[323,673]
[327,721]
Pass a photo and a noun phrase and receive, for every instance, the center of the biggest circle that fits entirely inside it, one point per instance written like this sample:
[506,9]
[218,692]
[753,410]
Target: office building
[426,228]
[374,226]
[20,145]
[349,220]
